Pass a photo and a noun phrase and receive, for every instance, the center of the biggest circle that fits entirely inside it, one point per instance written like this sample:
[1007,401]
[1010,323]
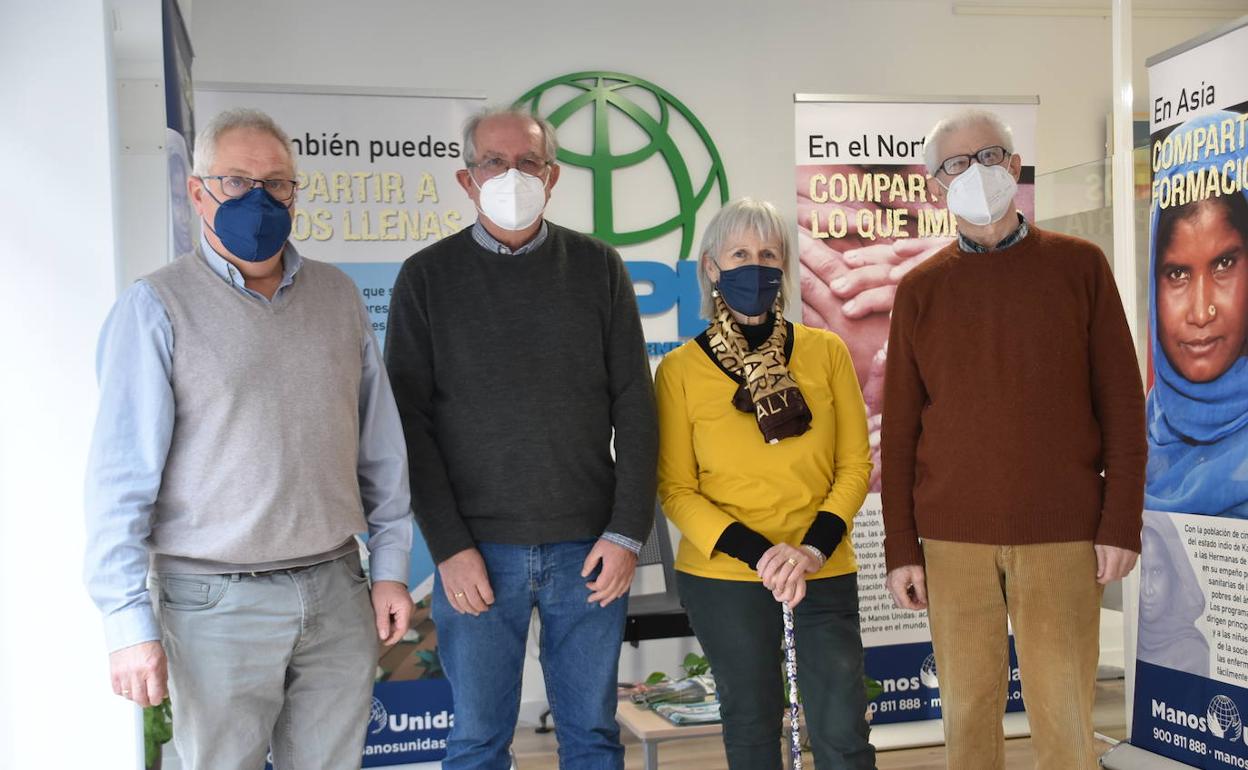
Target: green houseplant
[693,665]
[157,731]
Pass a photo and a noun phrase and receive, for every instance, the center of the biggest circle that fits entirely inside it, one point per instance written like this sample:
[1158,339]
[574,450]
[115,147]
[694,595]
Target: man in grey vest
[246,433]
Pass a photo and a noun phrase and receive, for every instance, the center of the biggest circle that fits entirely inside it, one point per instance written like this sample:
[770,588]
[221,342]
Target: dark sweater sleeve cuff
[825,533]
[741,542]
[1119,534]
[902,549]
[443,543]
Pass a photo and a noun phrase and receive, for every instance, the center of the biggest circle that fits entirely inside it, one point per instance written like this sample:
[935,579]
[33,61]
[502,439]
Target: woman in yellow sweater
[763,462]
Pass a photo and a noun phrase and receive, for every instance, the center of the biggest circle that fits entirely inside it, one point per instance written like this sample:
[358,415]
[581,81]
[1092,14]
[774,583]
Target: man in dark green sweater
[1013,447]
[517,358]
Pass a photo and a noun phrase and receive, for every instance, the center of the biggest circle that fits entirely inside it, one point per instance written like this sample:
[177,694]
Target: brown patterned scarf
[769,391]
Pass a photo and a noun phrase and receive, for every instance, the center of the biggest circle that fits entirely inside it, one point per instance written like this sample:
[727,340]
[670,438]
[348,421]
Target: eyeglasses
[988,156]
[495,166]
[238,186]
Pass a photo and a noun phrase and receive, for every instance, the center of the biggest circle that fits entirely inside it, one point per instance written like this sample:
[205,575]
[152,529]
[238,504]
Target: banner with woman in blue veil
[1190,677]
[1198,284]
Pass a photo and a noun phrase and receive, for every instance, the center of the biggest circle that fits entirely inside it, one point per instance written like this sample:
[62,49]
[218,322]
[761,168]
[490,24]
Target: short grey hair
[956,122]
[230,120]
[745,214]
[549,142]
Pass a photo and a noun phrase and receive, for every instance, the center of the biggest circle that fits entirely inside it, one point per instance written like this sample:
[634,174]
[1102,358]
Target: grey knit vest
[261,470]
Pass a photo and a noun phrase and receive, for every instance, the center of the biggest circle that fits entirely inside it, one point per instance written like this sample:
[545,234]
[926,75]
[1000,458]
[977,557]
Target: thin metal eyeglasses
[238,186]
[987,156]
[495,166]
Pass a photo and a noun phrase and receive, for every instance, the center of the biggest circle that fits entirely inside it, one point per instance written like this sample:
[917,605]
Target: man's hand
[908,585]
[1113,563]
[618,567]
[466,582]
[783,569]
[392,609]
[140,673]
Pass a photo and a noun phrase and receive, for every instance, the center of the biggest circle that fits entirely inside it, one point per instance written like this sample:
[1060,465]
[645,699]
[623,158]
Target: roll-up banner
[376,171]
[179,127]
[1191,677]
[864,219]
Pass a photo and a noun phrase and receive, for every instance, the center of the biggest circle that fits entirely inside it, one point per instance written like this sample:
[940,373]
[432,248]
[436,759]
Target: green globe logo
[610,93]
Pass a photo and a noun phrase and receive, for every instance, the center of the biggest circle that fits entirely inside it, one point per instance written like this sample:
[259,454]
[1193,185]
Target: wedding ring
[459,594]
[792,561]
[125,692]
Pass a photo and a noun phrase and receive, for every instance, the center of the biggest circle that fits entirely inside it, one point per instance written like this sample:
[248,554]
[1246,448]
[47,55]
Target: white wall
[58,230]
[735,63]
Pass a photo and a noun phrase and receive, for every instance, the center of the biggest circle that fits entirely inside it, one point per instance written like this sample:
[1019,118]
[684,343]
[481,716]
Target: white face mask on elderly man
[982,194]
[513,200]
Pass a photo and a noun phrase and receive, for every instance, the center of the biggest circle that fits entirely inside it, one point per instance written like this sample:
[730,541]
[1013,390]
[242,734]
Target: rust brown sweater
[1011,385]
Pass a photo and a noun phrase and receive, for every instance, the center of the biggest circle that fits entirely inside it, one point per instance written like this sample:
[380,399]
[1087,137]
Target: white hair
[550,145]
[972,116]
[229,120]
[745,214]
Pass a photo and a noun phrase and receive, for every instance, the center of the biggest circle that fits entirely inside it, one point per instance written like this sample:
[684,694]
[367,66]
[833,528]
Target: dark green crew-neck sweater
[510,373]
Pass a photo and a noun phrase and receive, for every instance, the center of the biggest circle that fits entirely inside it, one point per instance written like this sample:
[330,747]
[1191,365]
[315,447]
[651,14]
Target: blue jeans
[580,651]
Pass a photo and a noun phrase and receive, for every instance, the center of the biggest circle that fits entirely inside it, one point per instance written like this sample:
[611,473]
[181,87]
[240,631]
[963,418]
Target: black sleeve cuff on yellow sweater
[825,533]
[741,542]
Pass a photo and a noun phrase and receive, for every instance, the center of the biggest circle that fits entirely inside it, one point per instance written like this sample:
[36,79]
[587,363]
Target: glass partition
[1078,201]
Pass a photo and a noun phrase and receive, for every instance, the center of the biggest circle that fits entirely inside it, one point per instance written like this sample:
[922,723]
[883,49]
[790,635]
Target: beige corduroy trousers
[1048,591]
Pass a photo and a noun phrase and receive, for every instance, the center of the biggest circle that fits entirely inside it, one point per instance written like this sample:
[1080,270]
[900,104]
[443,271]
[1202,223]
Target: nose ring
[1213,310]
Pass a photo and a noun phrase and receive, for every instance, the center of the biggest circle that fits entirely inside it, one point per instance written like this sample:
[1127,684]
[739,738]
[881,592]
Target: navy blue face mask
[253,227]
[750,289]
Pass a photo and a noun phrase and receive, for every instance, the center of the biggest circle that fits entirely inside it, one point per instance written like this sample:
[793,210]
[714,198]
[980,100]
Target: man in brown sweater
[1013,454]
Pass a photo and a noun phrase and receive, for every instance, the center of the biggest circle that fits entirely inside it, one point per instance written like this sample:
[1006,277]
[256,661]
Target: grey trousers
[283,659]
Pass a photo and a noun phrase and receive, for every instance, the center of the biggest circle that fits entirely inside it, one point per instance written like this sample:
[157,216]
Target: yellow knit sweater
[715,468]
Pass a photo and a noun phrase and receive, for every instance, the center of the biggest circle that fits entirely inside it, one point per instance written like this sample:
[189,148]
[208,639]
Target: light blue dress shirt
[131,441]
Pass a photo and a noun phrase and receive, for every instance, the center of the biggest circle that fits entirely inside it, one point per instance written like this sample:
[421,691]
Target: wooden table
[652,729]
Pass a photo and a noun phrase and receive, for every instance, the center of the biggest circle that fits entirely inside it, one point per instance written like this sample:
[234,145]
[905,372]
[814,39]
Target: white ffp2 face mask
[982,194]
[513,200]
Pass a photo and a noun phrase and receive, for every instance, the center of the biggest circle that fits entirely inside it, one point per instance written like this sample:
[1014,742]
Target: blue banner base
[1189,718]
